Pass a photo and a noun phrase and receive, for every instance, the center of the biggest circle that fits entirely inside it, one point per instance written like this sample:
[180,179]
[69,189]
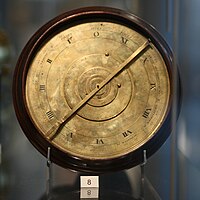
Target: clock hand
[128,61]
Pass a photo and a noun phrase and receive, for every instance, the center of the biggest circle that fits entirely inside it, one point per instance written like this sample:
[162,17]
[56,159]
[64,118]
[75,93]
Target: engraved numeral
[70,40]
[124,40]
[126,133]
[146,112]
[145,60]
[49,61]
[152,86]
[42,88]
[50,114]
[99,141]
[69,136]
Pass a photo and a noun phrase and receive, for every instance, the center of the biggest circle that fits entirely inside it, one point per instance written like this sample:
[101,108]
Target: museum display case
[163,167]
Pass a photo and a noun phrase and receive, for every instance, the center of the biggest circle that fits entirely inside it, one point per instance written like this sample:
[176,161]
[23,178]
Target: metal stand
[89,188]
[142,173]
[49,174]
[0,154]
[0,121]
[89,185]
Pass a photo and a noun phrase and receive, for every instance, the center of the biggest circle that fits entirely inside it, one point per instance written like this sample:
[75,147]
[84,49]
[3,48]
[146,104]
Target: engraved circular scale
[96,86]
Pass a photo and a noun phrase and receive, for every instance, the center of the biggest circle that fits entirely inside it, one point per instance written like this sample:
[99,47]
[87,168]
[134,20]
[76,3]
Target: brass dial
[96,86]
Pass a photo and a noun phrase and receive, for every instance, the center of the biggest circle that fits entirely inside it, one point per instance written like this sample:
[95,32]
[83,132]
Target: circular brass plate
[95,85]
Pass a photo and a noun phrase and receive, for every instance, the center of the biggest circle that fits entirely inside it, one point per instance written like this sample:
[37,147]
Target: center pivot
[91,80]
[87,75]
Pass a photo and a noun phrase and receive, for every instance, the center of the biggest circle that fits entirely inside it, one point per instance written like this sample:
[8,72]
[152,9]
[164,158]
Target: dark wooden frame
[19,81]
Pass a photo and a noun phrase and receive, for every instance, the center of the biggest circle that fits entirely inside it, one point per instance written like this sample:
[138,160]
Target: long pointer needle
[51,134]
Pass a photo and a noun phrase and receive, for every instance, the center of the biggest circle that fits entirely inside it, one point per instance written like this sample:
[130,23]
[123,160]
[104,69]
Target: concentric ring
[88,73]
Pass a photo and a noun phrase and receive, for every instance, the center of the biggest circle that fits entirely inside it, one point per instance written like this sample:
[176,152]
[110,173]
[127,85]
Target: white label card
[89,181]
[89,193]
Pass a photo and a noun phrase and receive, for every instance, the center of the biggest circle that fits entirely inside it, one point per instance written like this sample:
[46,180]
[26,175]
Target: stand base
[89,185]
